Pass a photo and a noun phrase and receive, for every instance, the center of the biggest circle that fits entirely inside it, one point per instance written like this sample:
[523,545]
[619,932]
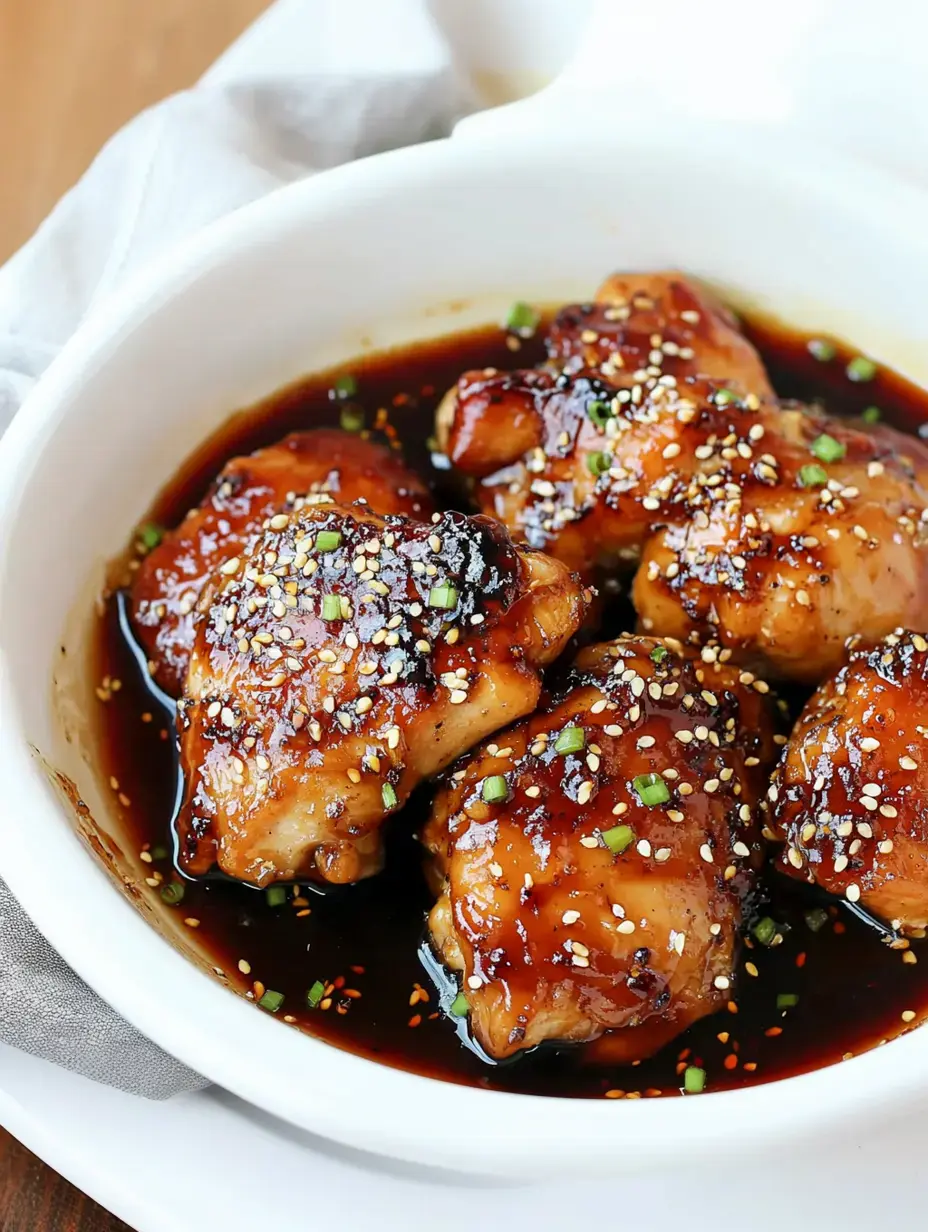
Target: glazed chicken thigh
[578,456]
[171,579]
[593,858]
[799,532]
[344,658]
[850,798]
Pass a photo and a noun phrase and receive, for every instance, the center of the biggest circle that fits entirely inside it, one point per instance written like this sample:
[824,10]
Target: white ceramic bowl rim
[356,1101]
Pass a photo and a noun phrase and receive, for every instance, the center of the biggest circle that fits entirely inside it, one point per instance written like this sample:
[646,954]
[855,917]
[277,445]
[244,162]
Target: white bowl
[393,248]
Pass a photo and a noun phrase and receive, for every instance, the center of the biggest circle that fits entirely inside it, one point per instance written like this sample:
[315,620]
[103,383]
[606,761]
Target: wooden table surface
[72,72]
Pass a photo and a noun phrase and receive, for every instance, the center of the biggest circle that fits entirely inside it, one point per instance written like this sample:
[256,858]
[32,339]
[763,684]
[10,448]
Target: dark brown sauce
[368,939]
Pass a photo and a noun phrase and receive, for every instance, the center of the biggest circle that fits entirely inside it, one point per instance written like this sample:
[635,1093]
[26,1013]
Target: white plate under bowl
[372,253]
[210,1161]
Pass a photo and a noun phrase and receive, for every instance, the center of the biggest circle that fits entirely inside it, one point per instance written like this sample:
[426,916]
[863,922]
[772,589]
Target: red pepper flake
[773,1032]
[732,1007]
[339,982]
[731,1061]
[681,1066]
[751,1066]
[652,1092]
[357,969]
[801,959]
[427,390]
[839,927]
[415,1020]
[683,1054]
[352,994]
[400,399]
[615,1094]
[433,1016]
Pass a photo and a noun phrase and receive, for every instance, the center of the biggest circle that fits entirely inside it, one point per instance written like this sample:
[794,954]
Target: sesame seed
[869,743]
[570,917]
[627,927]
[853,893]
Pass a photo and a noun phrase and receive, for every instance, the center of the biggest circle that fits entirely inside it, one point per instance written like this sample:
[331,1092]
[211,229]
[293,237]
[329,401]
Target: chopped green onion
[389,796]
[314,996]
[618,838]
[522,318]
[272,1001]
[651,789]
[827,448]
[352,418]
[659,654]
[599,411]
[173,894]
[813,476]
[331,607]
[694,1080]
[598,463]
[822,349]
[786,1000]
[328,540]
[871,414]
[765,930]
[495,789]
[150,535]
[816,918]
[571,740]
[159,853]
[346,386]
[459,1006]
[276,896]
[724,396]
[861,369]
[444,597]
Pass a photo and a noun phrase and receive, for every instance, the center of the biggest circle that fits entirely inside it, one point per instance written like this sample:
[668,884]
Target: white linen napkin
[314,83]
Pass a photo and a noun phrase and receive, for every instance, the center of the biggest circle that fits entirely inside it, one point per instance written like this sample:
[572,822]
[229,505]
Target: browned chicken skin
[578,898]
[343,659]
[800,532]
[172,578]
[572,456]
[850,797]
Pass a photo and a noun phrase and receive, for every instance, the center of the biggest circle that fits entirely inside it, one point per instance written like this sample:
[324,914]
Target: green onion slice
[352,418]
[598,463]
[495,789]
[724,396]
[618,838]
[827,449]
[871,414]
[599,411]
[659,654]
[571,740]
[522,318]
[389,796]
[694,1080]
[331,607]
[173,893]
[314,996]
[276,896]
[150,535]
[812,475]
[328,540]
[459,1006]
[822,349]
[346,386]
[271,1001]
[861,369]
[816,918]
[786,1000]
[444,597]
[765,930]
[651,789]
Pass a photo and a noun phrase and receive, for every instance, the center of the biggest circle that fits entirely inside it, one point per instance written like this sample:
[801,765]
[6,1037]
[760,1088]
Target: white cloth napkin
[314,83]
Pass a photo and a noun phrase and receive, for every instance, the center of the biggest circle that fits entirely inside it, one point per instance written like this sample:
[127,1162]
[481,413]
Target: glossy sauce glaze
[351,963]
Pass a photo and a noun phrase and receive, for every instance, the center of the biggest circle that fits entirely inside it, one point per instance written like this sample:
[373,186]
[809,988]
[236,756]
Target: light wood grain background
[72,72]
